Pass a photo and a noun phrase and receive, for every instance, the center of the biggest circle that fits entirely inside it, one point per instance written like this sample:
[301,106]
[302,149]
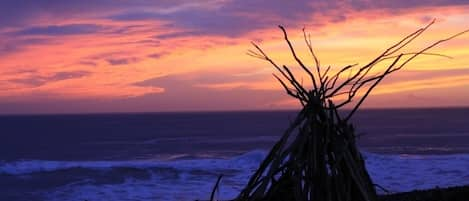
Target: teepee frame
[317,159]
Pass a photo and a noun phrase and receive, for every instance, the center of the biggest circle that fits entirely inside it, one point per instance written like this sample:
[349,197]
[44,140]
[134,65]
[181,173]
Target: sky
[94,56]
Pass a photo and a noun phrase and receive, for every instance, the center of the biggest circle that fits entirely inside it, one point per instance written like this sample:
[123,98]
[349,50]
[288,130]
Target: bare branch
[413,53]
[292,50]
[388,70]
[409,38]
[356,80]
[335,78]
[429,47]
[310,47]
[288,90]
[399,45]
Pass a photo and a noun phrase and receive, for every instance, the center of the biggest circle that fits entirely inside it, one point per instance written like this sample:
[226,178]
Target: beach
[178,156]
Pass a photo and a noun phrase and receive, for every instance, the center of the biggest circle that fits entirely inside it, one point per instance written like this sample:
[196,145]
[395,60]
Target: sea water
[178,156]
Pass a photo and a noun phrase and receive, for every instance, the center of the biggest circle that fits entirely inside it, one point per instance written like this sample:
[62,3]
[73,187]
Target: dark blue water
[136,136]
[48,156]
[140,136]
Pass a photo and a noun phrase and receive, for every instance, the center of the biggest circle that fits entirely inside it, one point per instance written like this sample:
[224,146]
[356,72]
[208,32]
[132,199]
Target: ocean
[178,156]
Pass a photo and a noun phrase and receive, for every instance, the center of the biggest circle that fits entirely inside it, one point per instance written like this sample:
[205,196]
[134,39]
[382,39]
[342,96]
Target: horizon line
[218,111]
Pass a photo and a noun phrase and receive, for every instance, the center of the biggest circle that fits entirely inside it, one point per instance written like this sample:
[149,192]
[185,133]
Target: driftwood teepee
[317,158]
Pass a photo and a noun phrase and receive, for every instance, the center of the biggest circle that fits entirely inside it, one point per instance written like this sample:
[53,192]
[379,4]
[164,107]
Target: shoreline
[455,193]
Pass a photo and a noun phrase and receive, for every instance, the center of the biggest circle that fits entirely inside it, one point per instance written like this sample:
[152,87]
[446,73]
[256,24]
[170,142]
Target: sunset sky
[86,56]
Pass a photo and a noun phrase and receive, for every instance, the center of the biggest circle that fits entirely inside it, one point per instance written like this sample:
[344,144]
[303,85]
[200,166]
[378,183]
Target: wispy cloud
[122,61]
[13,45]
[36,80]
[57,30]
[190,55]
[178,34]
[157,55]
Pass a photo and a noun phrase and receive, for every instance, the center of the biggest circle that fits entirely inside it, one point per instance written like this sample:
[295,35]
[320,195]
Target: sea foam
[194,179]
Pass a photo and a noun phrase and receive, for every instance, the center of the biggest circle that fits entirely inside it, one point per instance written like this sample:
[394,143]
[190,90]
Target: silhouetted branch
[292,50]
[310,47]
[388,70]
[215,188]
[322,162]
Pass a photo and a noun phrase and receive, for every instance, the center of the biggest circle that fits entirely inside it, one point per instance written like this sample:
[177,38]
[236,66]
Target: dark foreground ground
[459,193]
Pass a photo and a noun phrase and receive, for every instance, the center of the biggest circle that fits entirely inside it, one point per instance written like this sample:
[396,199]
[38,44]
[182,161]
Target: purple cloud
[122,61]
[194,78]
[88,63]
[403,4]
[230,19]
[227,18]
[37,80]
[177,86]
[237,17]
[13,45]
[55,30]
[178,34]
[15,13]
[157,55]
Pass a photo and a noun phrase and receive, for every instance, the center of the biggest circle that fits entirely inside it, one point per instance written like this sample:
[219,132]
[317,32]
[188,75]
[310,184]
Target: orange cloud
[106,57]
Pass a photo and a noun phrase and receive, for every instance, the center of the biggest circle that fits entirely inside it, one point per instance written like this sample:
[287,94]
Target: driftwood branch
[215,188]
[328,86]
[317,158]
